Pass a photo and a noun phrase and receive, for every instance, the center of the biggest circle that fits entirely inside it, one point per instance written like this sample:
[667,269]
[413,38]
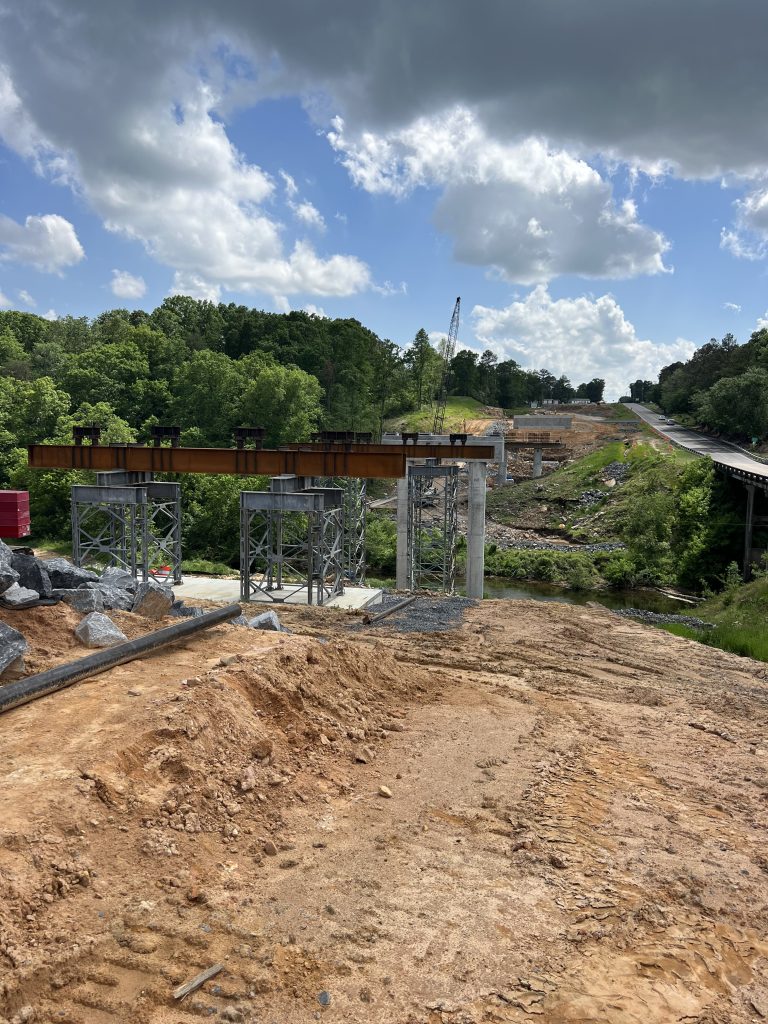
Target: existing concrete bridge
[728,458]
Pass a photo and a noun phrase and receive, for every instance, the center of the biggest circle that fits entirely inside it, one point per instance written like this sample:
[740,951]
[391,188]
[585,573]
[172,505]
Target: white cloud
[4,301]
[26,298]
[748,239]
[48,242]
[732,307]
[314,310]
[127,286]
[291,188]
[528,210]
[50,314]
[309,215]
[582,337]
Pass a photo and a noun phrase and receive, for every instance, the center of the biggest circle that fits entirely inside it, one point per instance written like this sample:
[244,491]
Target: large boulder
[19,597]
[8,575]
[32,573]
[120,578]
[113,597]
[97,630]
[152,600]
[13,646]
[65,576]
[82,600]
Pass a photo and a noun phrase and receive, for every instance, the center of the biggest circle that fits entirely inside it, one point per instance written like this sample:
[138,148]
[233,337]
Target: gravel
[656,618]
[543,545]
[424,615]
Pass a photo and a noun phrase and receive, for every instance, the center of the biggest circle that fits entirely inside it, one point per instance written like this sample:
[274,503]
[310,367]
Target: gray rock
[112,597]
[81,600]
[97,630]
[12,647]
[241,620]
[152,600]
[20,597]
[16,670]
[8,575]
[32,573]
[267,620]
[65,576]
[120,578]
[192,612]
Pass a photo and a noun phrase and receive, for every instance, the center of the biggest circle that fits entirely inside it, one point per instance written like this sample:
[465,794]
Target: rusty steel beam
[359,460]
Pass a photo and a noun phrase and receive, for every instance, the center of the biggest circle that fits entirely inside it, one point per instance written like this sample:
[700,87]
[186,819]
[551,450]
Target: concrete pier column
[748,526]
[536,463]
[476,529]
[402,533]
[501,475]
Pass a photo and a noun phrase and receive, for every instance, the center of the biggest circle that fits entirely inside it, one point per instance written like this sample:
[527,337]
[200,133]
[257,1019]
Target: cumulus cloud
[309,215]
[48,242]
[127,286]
[26,298]
[582,337]
[531,212]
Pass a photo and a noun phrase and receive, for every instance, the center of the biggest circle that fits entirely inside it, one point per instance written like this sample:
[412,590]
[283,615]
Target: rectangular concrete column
[536,463]
[476,529]
[747,567]
[402,533]
[501,475]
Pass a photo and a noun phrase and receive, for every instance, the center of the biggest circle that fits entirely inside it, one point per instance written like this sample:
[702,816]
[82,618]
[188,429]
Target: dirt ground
[576,829]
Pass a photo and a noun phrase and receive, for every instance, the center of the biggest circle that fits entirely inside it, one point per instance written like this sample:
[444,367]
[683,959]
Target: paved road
[721,452]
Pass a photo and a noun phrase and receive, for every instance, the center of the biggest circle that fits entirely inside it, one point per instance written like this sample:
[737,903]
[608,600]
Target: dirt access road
[576,829]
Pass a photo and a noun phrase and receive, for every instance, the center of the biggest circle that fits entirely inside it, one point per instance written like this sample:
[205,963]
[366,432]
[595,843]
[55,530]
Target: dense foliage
[723,387]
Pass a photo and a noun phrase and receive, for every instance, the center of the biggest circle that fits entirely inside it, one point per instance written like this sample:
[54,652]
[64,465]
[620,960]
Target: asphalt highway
[721,452]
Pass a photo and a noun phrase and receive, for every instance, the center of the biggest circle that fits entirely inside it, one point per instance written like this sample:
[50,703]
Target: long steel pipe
[26,690]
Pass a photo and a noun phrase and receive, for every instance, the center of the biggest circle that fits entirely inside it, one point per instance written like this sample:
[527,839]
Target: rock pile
[26,580]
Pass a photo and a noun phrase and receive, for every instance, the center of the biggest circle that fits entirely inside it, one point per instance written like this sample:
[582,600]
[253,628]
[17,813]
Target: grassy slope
[458,408]
[740,618]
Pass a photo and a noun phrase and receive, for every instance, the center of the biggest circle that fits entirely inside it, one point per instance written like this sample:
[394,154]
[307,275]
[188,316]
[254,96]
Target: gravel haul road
[545,812]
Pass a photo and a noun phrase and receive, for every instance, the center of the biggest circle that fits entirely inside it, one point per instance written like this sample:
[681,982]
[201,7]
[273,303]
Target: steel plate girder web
[365,461]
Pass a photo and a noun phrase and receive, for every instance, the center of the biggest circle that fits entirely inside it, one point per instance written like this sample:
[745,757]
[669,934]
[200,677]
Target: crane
[450,351]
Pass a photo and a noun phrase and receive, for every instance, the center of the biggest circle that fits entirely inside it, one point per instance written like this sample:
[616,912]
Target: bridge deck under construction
[368,461]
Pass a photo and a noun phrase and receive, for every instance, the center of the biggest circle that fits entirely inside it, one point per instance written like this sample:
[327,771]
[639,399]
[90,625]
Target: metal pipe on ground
[29,689]
[370,620]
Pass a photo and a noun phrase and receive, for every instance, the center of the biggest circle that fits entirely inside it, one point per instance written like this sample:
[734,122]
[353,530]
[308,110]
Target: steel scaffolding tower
[291,540]
[432,527]
[134,527]
[354,491]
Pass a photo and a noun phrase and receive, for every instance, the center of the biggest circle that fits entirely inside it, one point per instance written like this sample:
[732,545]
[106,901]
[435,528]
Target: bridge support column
[401,564]
[476,530]
[748,527]
[536,463]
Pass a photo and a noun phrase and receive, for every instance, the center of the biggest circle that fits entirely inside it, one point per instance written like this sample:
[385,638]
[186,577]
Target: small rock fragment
[385,791]
[152,600]
[270,849]
[267,620]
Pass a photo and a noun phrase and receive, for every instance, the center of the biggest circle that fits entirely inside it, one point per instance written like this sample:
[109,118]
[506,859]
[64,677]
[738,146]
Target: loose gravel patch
[424,615]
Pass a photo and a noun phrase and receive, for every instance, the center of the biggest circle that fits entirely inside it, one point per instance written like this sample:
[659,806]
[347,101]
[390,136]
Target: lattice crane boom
[450,352]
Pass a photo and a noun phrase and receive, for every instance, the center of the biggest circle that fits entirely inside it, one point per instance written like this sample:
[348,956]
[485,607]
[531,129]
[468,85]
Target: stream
[499,588]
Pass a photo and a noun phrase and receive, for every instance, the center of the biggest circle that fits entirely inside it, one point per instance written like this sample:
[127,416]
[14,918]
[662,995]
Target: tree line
[210,368]
[723,387]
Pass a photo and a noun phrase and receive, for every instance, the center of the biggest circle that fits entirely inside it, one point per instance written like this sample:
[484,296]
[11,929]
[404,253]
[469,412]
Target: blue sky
[599,219]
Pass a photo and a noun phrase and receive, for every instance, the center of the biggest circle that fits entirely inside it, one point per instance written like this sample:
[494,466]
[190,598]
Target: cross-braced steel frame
[432,527]
[136,528]
[354,491]
[292,542]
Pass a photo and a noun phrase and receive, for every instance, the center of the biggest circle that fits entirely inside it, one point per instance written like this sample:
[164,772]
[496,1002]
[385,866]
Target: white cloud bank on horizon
[582,338]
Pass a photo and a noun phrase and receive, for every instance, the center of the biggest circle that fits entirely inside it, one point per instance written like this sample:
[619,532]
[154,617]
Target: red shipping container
[15,521]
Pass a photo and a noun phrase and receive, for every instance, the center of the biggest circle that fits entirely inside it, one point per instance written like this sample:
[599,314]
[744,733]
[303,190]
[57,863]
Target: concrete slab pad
[211,588]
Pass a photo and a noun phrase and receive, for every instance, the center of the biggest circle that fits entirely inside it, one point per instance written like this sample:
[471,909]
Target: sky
[591,178]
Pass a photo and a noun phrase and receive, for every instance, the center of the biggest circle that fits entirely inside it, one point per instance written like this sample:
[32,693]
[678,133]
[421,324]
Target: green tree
[285,400]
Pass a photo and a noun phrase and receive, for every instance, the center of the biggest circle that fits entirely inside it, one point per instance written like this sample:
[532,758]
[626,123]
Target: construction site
[294,803]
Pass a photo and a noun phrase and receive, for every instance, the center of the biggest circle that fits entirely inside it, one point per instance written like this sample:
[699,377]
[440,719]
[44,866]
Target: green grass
[206,568]
[740,615]
[458,409]
[619,411]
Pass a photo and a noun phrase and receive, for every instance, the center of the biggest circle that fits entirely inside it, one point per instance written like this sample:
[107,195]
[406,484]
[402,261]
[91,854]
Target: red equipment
[14,514]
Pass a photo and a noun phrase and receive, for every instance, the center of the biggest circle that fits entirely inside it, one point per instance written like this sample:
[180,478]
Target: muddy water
[515,590]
